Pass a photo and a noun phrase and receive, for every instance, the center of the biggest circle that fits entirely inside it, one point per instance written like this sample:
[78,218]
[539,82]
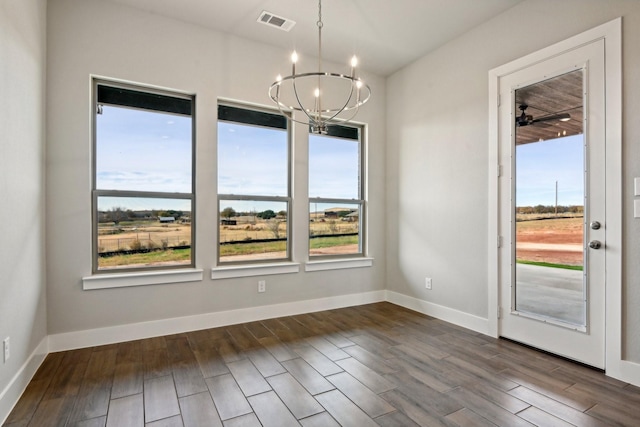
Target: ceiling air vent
[276,21]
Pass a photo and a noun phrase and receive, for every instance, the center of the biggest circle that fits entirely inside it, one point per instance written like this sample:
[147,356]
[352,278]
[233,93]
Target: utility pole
[556,198]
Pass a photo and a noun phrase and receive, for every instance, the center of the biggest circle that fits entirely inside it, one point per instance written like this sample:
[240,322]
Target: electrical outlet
[7,349]
[262,285]
[427,282]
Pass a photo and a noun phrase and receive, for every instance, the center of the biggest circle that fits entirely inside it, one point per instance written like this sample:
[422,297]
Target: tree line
[267,214]
[118,214]
[549,209]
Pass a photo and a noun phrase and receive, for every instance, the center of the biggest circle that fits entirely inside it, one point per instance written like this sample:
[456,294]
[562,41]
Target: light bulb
[354,61]
[316,93]
[278,78]
[359,84]
[294,57]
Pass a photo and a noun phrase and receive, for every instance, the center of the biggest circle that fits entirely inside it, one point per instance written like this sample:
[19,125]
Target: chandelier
[324,98]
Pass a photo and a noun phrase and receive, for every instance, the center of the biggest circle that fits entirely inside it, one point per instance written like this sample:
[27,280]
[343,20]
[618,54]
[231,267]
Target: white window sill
[254,270]
[337,264]
[141,278]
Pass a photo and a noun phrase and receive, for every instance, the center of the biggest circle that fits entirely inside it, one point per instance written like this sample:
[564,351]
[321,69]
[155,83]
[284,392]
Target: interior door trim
[611,33]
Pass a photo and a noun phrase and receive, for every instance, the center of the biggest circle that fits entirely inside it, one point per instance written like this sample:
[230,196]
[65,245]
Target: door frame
[611,33]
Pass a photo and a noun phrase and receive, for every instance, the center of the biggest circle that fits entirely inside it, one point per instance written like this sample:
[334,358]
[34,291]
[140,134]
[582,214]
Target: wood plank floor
[373,365]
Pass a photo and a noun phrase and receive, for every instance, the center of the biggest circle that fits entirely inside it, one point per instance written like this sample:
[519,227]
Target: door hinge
[499,312]
[499,241]
[499,171]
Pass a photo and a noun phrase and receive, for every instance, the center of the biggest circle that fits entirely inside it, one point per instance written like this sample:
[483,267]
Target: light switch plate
[636,208]
[636,186]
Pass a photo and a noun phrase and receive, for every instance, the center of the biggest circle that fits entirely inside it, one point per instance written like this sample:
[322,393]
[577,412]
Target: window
[253,185]
[336,188]
[143,186]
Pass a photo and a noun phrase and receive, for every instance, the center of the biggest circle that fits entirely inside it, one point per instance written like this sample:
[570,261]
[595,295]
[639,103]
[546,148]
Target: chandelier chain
[320,25]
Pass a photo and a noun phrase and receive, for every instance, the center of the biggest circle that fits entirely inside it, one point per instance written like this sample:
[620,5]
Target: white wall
[437,145]
[22,260]
[102,38]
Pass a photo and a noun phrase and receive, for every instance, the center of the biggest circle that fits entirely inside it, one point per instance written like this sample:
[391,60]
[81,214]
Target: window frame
[96,194]
[343,131]
[288,199]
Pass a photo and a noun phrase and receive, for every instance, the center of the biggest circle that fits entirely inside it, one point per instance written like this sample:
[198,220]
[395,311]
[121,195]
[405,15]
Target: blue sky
[333,167]
[143,151]
[151,151]
[252,160]
[539,165]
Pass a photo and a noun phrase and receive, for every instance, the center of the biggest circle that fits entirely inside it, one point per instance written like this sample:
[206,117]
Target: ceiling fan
[525,119]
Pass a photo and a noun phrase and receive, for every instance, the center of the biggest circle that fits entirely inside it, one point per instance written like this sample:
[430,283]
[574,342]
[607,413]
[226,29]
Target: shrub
[136,245]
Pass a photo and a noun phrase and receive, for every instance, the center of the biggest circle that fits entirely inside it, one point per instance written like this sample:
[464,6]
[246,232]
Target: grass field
[238,241]
[169,256]
[551,265]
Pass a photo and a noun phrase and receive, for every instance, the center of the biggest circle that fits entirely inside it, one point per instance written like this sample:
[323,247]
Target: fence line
[142,241]
[149,241]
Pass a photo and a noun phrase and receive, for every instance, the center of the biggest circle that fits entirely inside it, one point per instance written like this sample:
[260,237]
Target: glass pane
[334,229]
[139,232]
[252,230]
[334,167]
[252,160]
[142,150]
[549,201]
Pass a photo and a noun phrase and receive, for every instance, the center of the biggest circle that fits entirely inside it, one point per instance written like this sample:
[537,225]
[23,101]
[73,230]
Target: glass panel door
[552,143]
[549,200]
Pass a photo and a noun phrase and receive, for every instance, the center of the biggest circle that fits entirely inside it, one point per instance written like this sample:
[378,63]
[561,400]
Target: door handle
[595,244]
[595,225]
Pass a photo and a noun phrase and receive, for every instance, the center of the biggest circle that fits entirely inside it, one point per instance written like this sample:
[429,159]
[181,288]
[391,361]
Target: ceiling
[386,35]
[561,94]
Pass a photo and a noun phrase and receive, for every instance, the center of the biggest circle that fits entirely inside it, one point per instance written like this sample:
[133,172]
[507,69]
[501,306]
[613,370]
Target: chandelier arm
[362,100]
[278,103]
[343,107]
[314,116]
[295,92]
[353,114]
[286,114]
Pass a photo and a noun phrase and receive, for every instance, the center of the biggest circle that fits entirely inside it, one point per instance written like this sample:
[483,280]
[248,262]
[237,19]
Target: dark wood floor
[374,365]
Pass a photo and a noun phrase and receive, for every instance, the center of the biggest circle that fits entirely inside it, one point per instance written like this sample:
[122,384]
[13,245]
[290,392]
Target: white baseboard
[626,371]
[12,392]
[135,331]
[441,312]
